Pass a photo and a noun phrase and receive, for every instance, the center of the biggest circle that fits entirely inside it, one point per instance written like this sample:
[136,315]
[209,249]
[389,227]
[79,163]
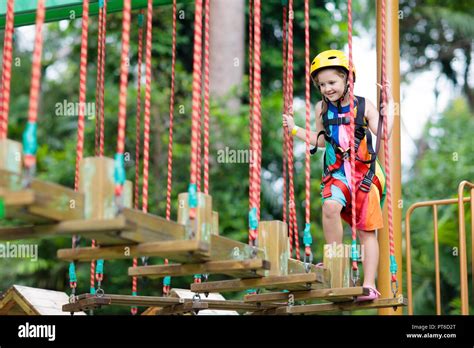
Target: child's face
[331,83]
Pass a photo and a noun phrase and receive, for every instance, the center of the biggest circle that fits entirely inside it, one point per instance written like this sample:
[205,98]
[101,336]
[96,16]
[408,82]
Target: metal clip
[354,276]
[395,288]
[99,292]
[307,265]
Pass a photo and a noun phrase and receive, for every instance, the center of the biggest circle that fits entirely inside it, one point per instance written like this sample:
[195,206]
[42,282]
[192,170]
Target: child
[329,72]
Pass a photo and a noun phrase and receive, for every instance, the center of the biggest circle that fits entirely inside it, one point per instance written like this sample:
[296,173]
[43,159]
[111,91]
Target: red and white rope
[196,101]
[7,69]
[147,113]
[206,96]
[352,127]
[308,112]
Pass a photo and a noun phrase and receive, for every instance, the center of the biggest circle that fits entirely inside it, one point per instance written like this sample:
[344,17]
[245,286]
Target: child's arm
[300,133]
[372,116]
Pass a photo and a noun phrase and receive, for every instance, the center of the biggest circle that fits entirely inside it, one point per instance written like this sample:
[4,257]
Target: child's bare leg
[370,262]
[332,223]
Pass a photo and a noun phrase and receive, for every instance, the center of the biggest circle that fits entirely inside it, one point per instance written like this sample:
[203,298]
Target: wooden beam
[187,250]
[11,156]
[332,295]
[182,308]
[88,301]
[273,238]
[98,186]
[51,201]
[338,307]
[229,267]
[337,260]
[162,229]
[295,281]
[17,198]
[202,225]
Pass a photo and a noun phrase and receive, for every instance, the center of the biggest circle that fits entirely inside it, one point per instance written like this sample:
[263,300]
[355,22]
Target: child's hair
[341,72]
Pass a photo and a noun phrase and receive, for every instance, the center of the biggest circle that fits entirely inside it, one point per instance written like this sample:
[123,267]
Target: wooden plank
[223,248]
[16,233]
[333,295]
[229,267]
[105,232]
[296,281]
[215,223]
[338,307]
[86,304]
[187,250]
[17,198]
[11,155]
[182,308]
[98,186]
[337,260]
[51,201]
[162,229]
[202,225]
[273,238]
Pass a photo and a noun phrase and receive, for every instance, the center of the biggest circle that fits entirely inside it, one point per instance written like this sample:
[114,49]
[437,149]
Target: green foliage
[447,160]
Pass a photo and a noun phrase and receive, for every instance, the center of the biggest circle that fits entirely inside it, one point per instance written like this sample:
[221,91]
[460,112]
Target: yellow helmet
[328,59]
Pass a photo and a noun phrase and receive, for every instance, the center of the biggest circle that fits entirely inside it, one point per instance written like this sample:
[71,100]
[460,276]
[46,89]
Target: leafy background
[433,33]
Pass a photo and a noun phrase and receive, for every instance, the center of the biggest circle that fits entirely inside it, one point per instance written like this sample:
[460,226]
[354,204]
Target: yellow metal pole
[393,76]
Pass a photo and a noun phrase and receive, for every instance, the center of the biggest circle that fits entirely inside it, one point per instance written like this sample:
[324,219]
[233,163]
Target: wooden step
[183,250]
[89,301]
[304,281]
[332,295]
[236,268]
[399,301]
[42,201]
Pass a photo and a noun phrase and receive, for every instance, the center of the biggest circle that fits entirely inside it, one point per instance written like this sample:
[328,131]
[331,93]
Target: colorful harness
[361,131]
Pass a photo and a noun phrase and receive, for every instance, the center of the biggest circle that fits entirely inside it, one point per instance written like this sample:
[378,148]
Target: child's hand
[388,108]
[288,122]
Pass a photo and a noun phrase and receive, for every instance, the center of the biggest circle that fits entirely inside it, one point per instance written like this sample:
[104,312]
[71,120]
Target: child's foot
[373,295]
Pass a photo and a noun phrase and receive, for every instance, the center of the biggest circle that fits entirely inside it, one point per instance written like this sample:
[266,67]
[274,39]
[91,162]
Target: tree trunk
[227,40]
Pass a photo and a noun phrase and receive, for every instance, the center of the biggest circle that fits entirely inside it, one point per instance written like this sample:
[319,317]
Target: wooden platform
[41,202]
[304,281]
[236,268]
[87,302]
[399,301]
[332,295]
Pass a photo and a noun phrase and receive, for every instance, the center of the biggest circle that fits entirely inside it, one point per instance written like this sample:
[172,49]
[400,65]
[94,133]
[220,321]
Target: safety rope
[80,130]
[255,182]
[251,101]
[196,110]
[354,252]
[102,78]
[30,144]
[393,262]
[97,87]
[207,13]
[134,309]
[307,238]
[147,111]
[290,147]
[119,172]
[285,134]
[167,279]
[7,69]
